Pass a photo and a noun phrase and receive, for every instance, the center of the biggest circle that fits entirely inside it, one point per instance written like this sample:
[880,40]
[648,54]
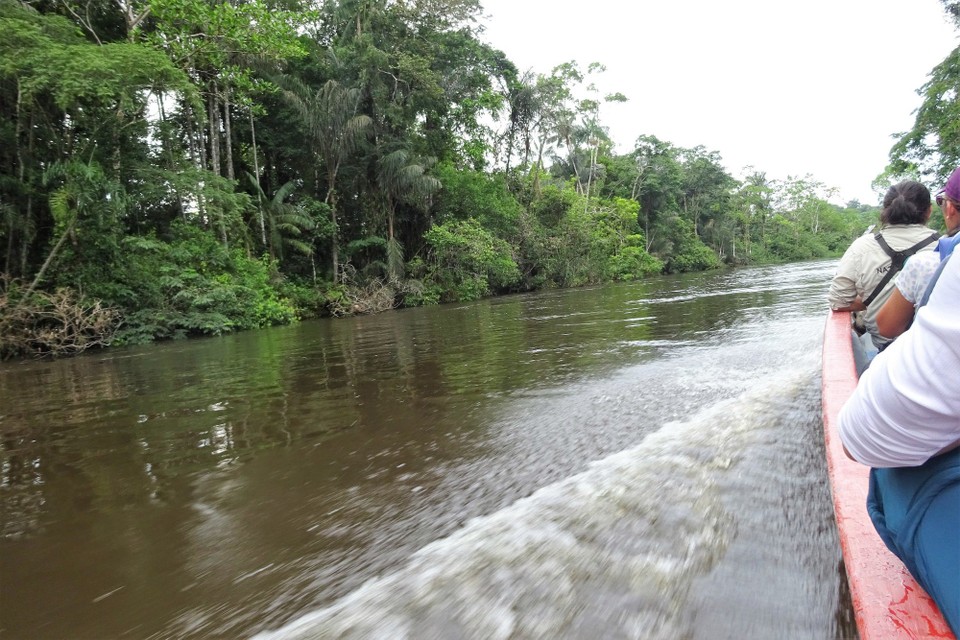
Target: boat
[887,602]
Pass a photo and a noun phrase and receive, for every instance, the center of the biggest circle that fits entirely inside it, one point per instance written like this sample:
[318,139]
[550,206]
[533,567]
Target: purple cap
[952,190]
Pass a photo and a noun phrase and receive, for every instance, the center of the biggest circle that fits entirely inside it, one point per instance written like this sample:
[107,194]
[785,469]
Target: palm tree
[330,114]
[285,222]
[401,180]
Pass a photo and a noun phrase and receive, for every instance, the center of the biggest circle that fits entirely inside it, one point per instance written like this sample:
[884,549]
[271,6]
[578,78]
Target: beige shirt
[863,266]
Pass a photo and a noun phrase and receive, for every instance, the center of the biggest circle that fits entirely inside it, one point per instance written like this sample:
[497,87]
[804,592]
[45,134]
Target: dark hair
[906,203]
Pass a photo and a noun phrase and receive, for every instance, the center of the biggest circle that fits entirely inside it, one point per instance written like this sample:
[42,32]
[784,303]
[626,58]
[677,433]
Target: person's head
[907,202]
[948,199]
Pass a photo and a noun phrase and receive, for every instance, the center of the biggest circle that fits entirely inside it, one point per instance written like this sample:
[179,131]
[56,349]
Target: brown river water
[640,460]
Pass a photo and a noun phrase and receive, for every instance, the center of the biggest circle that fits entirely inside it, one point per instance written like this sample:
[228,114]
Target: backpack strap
[897,258]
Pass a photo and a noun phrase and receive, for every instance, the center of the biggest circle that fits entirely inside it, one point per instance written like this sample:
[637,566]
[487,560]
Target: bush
[308,301]
[632,263]
[192,285]
[789,243]
[466,262]
[690,254]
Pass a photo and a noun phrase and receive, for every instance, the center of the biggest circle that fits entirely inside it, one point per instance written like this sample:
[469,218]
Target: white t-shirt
[913,278]
[906,407]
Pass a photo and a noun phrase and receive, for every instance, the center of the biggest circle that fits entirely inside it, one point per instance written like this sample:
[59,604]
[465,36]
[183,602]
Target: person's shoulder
[917,271]
[861,243]
[908,231]
[922,261]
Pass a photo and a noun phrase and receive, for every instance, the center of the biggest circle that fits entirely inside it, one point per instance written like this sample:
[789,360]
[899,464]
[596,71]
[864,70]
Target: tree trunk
[256,174]
[168,147]
[22,172]
[537,167]
[213,117]
[46,264]
[227,134]
[593,163]
[334,249]
[331,199]
[116,142]
[198,146]
[25,234]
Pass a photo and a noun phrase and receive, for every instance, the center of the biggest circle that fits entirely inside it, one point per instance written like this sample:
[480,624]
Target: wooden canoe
[887,602]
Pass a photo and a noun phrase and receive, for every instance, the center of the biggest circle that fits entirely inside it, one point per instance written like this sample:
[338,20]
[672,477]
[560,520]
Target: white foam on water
[616,547]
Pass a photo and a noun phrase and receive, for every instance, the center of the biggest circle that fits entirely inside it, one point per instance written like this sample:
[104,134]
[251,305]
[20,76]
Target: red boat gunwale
[887,602]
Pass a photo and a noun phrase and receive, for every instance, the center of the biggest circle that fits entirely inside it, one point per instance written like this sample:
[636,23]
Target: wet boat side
[888,603]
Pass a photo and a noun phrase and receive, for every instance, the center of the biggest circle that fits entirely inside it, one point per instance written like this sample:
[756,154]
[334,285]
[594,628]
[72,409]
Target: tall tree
[72,100]
[213,43]
[402,180]
[931,148]
[707,187]
[336,130]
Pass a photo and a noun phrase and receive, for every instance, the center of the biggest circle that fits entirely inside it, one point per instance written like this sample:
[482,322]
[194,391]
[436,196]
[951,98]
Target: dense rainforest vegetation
[191,167]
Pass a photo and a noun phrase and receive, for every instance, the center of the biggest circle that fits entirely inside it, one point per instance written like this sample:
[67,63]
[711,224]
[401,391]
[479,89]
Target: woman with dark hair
[864,278]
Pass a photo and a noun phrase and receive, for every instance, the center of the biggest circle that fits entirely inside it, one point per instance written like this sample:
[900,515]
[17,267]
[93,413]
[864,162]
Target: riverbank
[64,323]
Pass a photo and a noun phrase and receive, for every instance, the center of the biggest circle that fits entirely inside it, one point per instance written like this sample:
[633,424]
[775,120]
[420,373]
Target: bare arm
[843,294]
[856,305]
[895,315]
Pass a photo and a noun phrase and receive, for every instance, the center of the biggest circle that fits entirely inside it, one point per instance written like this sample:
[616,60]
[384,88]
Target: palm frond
[395,264]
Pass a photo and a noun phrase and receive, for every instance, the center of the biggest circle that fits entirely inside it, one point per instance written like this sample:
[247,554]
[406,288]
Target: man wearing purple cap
[903,420]
[948,199]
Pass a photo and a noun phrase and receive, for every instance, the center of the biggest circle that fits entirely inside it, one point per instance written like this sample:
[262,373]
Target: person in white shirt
[903,420]
[861,283]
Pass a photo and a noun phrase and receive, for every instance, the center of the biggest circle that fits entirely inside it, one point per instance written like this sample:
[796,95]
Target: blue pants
[916,511]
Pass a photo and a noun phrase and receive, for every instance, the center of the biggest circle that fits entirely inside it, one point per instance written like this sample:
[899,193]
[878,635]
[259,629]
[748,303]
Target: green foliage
[467,262]
[307,300]
[428,293]
[48,55]
[552,204]
[335,296]
[633,262]
[192,285]
[286,223]
[473,194]
[587,244]
[789,243]
[123,133]
[932,147]
[689,253]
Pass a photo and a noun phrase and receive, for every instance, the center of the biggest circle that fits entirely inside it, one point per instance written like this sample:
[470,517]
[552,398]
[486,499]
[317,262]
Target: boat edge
[888,603]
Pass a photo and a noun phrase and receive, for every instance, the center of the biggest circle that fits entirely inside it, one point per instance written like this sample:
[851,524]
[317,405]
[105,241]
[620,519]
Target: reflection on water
[639,460]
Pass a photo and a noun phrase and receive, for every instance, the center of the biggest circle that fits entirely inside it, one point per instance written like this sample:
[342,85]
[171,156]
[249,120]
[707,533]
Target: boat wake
[616,547]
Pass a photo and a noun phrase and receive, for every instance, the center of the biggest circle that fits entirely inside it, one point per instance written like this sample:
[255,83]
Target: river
[639,460]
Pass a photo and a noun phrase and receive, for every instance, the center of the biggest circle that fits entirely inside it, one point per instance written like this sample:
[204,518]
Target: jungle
[175,168]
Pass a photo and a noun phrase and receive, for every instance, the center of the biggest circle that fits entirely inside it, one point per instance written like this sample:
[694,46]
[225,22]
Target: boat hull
[887,602]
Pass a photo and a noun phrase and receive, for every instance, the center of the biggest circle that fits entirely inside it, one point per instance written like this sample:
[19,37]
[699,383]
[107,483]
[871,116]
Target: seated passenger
[863,281]
[903,419]
[896,314]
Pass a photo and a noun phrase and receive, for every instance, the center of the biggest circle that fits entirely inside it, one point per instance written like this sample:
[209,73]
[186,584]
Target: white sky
[792,88]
